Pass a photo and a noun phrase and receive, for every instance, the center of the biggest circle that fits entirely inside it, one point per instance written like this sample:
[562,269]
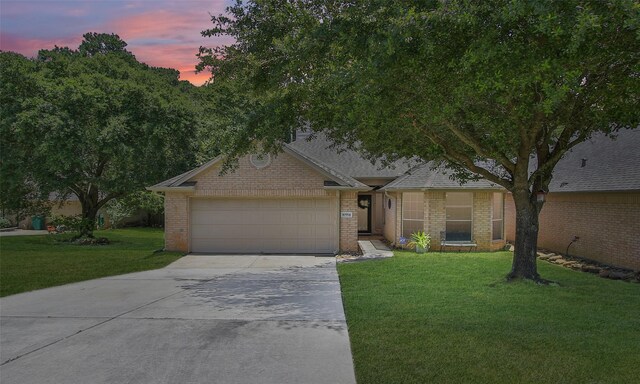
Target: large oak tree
[93,122]
[495,89]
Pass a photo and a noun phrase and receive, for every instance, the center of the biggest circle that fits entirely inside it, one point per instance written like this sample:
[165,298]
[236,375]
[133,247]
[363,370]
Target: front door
[364,213]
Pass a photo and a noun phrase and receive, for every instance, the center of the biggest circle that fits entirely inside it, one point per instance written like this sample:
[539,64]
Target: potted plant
[420,241]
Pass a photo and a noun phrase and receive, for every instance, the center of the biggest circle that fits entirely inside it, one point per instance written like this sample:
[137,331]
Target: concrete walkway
[203,319]
[23,232]
[374,249]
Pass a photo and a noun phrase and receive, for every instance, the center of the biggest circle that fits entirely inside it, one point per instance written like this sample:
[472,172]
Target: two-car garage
[291,225]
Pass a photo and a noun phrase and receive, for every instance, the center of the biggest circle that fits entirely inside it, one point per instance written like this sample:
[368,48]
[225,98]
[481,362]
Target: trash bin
[37,222]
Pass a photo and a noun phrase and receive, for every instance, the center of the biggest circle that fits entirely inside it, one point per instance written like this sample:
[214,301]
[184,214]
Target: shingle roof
[335,174]
[347,162]
[611,165]
[427,177]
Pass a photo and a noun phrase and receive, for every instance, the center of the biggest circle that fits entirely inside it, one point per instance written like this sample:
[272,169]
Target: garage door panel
[287,217]
[263,225]
[217,231]
[324,218]
[303,218]
[306,231]
[324,231]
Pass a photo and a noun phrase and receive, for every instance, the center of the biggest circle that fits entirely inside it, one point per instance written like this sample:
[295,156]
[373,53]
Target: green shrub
[70,223]
[4,222]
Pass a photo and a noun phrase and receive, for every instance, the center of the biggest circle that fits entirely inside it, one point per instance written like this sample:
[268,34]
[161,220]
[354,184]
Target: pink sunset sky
[160,33]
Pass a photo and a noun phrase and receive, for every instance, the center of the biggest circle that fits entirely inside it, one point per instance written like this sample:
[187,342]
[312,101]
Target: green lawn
[35,262]
[450,318]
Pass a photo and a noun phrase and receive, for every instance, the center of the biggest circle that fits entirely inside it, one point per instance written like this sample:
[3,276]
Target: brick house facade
[607,224]
[295,178]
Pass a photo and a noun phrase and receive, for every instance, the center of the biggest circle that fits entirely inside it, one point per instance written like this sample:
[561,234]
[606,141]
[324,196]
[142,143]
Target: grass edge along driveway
[35,262]
[451,318]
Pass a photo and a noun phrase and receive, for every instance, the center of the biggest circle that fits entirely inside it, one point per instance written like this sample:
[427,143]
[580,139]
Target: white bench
[461,244]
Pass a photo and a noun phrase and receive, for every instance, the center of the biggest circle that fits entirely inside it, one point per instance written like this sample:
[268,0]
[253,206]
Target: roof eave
[171,189]
[396,189]
[344,188]
[196,171]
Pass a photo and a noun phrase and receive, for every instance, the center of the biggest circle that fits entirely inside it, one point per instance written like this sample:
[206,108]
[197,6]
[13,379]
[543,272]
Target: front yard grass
[35,262]
[451,318]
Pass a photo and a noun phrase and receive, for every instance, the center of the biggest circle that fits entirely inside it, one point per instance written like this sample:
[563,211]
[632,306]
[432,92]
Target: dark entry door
[364,214]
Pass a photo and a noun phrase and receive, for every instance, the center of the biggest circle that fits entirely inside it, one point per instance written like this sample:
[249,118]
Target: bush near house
[35,262]
[451,318]
[4,222]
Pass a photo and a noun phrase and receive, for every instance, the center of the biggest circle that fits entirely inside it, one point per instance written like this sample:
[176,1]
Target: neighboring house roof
[426,177]
[347,161]
[610,165]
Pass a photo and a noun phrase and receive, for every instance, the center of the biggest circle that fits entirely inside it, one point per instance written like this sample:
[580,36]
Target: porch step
[380,246]
[371,250]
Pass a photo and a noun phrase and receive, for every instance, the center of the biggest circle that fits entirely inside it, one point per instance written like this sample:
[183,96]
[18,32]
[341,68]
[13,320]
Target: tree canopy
[494,89]
[94,122]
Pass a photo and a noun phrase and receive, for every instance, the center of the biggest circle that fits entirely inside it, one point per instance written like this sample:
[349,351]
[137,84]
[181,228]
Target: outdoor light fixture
[540,196]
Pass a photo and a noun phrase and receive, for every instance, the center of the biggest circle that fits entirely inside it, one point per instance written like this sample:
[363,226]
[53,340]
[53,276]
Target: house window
[412,213]
[459,208]
[497,216]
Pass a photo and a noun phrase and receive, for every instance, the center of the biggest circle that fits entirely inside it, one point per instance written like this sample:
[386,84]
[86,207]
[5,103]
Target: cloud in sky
[160,33]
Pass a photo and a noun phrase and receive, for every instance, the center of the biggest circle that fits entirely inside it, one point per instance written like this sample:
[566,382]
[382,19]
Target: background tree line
[96,123]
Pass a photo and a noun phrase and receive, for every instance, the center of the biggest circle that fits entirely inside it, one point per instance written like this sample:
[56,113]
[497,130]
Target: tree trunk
[526,242]
[89,213]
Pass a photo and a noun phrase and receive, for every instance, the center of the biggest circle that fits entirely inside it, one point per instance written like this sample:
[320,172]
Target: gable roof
[183,181]
[610,165]
[425,176]
[348,161]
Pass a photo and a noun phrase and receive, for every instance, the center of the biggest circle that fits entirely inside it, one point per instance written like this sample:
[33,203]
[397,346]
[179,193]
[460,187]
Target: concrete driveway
[203,319]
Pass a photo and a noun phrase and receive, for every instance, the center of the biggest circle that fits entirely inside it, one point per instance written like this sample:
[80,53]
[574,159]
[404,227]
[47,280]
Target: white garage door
[264,225]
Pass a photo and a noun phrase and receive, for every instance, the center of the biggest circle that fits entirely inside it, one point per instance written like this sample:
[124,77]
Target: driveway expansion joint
[85,329]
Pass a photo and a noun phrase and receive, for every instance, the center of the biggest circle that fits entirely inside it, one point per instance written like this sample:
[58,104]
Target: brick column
[482,220]
[349,226]
[176,222]
[398,217]
[437,216]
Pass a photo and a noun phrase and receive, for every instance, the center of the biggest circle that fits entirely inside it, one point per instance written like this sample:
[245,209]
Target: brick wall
[284,177]
[349,226]
[435,216]
[608,225]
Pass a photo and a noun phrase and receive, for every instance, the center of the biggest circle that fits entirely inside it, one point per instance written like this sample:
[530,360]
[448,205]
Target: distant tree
[495,89]
[102,43]
[94,122]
